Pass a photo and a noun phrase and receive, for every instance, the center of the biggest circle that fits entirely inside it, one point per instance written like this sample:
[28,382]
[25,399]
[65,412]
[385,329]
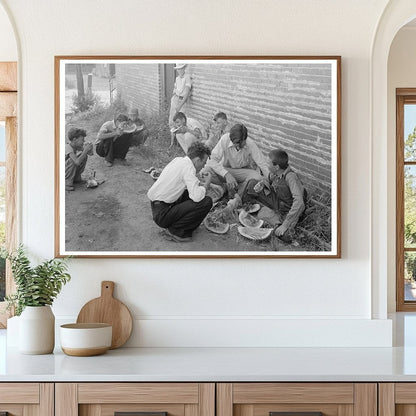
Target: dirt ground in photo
[116,216]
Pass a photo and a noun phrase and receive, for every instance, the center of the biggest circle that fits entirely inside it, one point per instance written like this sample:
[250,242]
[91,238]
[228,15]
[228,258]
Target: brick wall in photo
[140,86]
[283,105]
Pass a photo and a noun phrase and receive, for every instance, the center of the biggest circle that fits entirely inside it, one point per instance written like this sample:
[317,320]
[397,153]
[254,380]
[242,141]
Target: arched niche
[395,16]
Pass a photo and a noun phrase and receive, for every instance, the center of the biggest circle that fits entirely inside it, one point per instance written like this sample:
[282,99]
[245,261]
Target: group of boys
[113,142]
[232,160]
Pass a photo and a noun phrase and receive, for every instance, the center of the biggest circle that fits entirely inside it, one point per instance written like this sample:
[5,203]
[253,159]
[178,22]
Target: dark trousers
[271,200]
[181,217]
[140,137]
[114,149]
[73,171]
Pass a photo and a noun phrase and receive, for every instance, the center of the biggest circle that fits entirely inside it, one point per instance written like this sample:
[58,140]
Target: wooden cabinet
[331,399]
[208,399]
[27,399]
[105,399]
[397,399]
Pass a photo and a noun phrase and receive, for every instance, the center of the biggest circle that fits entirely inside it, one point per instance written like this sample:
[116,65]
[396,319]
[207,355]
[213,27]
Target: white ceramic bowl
[83,340]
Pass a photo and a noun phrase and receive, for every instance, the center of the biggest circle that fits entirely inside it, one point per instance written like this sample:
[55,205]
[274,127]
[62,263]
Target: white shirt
[181,83]
[225,155]
[193,124]
[178,175]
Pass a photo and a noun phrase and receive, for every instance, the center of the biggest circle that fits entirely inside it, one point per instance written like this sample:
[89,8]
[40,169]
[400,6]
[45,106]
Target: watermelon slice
[252,208]
[248,220]
[215,226]
[256,234]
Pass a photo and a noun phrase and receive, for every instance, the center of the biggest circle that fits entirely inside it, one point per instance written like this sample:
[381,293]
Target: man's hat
[180,66]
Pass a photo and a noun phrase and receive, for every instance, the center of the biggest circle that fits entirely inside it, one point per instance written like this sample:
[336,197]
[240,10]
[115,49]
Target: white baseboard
[255,332]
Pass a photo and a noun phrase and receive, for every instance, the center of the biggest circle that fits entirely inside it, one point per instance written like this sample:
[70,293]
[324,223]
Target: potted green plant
[36,289]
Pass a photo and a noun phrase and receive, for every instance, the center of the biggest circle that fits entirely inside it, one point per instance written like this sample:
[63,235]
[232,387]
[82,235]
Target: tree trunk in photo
[80,81]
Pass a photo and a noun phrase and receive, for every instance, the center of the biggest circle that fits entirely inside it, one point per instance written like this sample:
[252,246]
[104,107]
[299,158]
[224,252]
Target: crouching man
[178,198]
[283,192]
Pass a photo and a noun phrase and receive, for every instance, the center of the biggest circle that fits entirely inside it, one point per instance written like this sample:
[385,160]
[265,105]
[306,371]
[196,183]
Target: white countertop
[215,364]
[221,364]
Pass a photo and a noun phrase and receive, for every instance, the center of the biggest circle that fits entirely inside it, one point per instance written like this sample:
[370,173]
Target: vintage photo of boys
[198,157]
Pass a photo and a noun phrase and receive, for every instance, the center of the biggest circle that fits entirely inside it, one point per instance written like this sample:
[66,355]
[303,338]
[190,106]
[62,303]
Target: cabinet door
[397,399]
[297,399]
[142,399]
[26,399]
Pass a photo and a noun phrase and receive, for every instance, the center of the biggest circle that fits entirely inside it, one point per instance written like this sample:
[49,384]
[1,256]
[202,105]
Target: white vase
[37,330]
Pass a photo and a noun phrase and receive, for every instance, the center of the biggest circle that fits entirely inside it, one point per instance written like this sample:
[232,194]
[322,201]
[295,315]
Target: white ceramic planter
[37,330]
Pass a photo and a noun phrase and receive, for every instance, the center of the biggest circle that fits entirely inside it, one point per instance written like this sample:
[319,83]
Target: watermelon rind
[248,220]
[221,228]
[254,233]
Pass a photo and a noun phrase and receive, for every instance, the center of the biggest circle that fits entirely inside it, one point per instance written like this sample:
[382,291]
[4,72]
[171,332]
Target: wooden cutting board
[108,310]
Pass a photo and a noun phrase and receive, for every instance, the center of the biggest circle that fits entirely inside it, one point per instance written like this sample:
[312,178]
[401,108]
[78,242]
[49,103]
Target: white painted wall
[8,46]
[401,74]
[203,302]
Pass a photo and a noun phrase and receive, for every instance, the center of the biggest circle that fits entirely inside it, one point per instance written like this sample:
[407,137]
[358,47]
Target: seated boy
[187,131]
[283,193]
[220,128]
[76,156]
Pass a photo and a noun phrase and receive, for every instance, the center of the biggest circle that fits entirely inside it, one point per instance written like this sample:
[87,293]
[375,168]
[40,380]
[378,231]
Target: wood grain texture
[47,399]
[57,161]
[207,399]
[110,409]
[66,399]
[265,409]
[400,305]
[346,410]
[84,352]
[11,207]
[11,196]
[8,76]
[14,409]
[8,105]
[190,410]
[386,399]
[293,393]
[405,410]
[27,393]
[138,393]
[224,399]
[91,410]
[109,310]
[404,96]
[405,393]
[365,399]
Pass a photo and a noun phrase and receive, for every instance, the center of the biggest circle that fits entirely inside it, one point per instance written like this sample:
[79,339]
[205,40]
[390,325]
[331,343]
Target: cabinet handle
[138,414]
[295,413]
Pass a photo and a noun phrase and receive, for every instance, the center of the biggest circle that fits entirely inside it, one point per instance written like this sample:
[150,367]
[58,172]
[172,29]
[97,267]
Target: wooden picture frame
[291,103]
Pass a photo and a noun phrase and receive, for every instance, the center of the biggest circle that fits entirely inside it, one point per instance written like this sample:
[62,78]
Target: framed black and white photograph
[191,156]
